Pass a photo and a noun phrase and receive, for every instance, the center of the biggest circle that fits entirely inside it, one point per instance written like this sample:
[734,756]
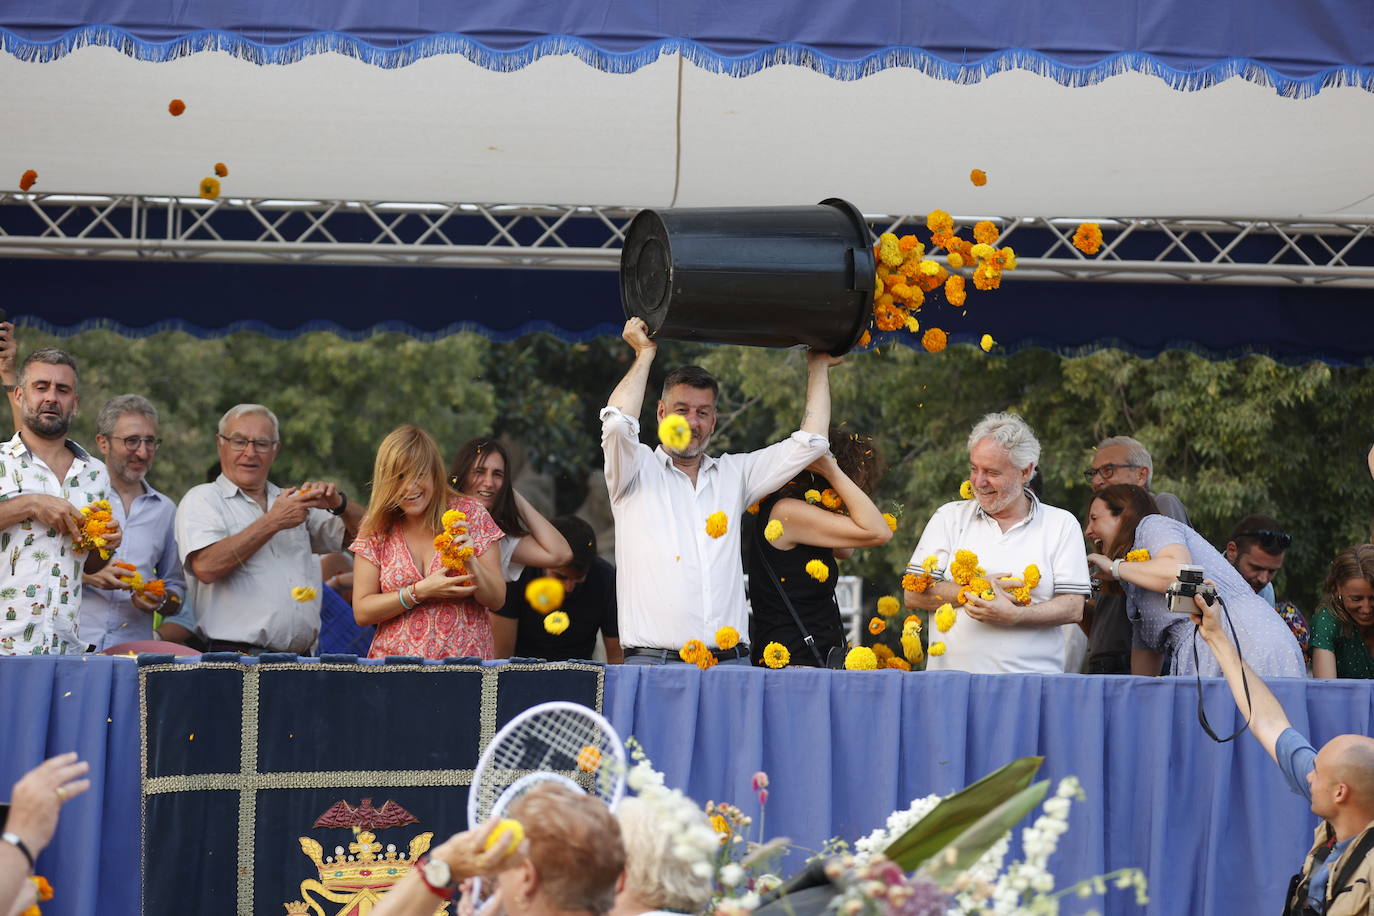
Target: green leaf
[968,847]
[961,811]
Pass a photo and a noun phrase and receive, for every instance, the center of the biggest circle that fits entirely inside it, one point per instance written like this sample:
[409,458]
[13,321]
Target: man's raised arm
[628,396]
[1267,718]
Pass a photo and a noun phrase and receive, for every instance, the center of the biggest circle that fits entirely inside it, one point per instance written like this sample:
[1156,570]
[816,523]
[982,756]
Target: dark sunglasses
[1271,541]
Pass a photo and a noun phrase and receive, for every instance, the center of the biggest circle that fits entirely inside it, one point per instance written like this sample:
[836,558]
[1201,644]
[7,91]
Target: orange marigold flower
[955,293]
[978,177]
[1005,258]
[942,238]
[939,221]
[753,510]
[209,188]
[985,278]
[176,107]
[956,259]
[900,664]
[221,170]
[985,232]
[27,179]
[693,649]
[830,499]
[876,625]
[912,582]
[1088,238]
[883,652]
[933,340]
[888,317]
[907,242]
[865,339]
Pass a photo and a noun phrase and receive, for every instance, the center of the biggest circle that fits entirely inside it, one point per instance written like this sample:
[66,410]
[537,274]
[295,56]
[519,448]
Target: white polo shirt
[1050,538]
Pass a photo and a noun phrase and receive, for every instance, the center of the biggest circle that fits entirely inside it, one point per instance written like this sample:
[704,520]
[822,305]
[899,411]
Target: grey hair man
[1009,529]
[113,610]
[242,593]
[1119,459]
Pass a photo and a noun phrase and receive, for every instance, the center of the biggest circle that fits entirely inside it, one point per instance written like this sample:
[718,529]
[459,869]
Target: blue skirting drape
[1214,826]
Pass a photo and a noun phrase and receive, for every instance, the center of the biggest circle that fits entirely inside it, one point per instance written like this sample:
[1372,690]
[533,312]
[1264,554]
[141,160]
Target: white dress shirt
[253,604]
[1050,538]
[674,582]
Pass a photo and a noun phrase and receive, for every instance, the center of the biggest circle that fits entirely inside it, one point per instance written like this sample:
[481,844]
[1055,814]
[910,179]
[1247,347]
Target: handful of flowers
[445,542]
[1021,594]
[43,891]
[96,525]
[157,588]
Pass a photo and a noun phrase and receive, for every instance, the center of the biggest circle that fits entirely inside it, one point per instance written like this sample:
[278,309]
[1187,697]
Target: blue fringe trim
[797,55]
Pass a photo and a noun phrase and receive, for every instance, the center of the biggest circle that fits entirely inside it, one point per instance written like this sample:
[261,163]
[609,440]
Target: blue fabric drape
[1298,48]
[1214,826]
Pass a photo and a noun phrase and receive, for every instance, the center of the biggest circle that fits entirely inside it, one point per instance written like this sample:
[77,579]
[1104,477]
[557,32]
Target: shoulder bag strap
[1338,883]
[761,546]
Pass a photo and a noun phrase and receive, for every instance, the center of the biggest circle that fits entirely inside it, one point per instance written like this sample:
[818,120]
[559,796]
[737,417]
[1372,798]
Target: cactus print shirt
[40,574]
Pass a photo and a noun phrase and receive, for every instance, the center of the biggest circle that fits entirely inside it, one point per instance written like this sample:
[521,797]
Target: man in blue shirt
[1338,781]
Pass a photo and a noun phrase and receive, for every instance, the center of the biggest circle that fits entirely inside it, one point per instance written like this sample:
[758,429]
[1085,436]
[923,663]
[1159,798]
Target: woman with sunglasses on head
[1122,522]
[400,582]
[1343,629]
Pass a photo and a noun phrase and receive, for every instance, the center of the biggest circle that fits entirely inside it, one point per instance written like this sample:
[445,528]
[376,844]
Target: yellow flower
[716,524]
[930,268]
[1007,257]
[891,521]
[899,663]
[1031,577]
[775,655]
[545,594]
[303,593]
[588,759]
[889,251]
[937,648]
[1021,595]
[692,650]
[772,531]
[813,496]
[876,625]
[1088,238]
[956,259]
[945,617]
[978,177]
[982,251]
[556,622]
[939,221]
[987,343]
[912,625]
[707,660]
[1139,555]
[966,489]
[727,637]
[912,324]
[911,648]
[209,188]
[674,432]
[882,651]
[888,605]
[453,517]
[817,570]
[720,824]
[861,658]
[930,563]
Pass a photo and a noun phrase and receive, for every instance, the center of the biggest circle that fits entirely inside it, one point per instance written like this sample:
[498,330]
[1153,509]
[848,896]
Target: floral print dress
[433,629]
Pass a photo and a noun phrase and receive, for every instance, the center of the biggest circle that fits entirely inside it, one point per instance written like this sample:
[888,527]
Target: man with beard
[1009,529]
[677,578]
[248,545]
[45,479]
[111,612]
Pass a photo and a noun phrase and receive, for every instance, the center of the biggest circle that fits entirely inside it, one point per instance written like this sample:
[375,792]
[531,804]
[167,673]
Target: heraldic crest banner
[285,786]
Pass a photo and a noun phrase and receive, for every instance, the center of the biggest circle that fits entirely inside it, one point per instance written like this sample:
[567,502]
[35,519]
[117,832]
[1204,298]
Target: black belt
[243,648]
[673,655]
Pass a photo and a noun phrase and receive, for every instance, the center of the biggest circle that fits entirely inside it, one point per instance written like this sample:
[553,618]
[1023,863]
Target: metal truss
[132,227]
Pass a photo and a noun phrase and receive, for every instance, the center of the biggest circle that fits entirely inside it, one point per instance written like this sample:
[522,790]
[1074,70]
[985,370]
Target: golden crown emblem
[358,874]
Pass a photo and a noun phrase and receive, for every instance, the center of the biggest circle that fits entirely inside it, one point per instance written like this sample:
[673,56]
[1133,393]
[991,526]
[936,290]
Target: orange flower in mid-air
[175,107]
[27,179]
[978,177]
[221,170]
[934,340]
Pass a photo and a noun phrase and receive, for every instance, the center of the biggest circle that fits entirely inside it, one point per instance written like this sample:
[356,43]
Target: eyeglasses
[1106,470]
[239,443]
[1270,541]
[133,442]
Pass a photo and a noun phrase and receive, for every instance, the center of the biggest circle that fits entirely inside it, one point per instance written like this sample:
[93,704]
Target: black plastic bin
[762,277]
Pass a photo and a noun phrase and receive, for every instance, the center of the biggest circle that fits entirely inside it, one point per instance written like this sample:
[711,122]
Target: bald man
[1338,780]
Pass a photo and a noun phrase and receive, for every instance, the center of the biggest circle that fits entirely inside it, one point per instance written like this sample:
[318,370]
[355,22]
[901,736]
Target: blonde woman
[399,581]
[1343,630]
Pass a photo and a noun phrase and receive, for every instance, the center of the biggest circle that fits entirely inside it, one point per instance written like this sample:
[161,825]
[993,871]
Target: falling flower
[882,651]
[1088,238]
[937,648]
[221,170]
[914,583]
[175,107]
[27,179]
[891,521]
[945,617]
[933,340]
[1139,555]
[978,177]
[987,343]
[955,294]
[544,594]
[817,570]
[556,622]
[303,593]
[876,625]
[693,649]
[861,658]
[911,648]
[716,524]
[754,509]
[588,759]
[900,664]
[865,339]
[727,637]
[830,499]
[775,655]
[966,489]
[939,221]
[956,259]
[209,188]
[772,531]
[674,432]
[985,232]
[813,496]
[888,606]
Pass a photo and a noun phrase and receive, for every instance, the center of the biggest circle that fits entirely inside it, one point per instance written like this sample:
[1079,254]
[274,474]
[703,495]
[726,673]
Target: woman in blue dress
[1142,552]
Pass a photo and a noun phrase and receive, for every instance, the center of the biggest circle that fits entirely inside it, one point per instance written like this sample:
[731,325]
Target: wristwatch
[436,874]
[18,843]
[343,504]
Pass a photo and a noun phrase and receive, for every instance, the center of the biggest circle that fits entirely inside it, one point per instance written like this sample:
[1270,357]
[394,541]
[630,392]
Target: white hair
[1136,453]
[653,874]
[241,410]
[1013,434]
